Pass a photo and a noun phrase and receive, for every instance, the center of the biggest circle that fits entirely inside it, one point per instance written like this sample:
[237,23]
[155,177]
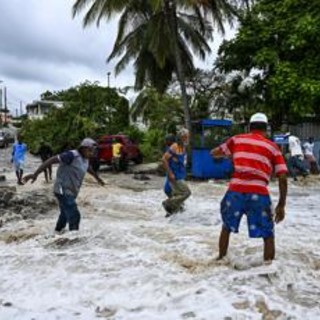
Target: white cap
[259,117]
[88,143]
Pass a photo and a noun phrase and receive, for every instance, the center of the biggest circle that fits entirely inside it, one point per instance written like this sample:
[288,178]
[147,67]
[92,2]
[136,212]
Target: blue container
[203,165]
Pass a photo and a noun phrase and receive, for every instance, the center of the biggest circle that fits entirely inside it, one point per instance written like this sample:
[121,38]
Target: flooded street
[129,262]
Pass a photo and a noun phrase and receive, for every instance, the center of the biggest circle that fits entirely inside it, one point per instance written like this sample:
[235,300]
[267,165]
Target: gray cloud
[43,48]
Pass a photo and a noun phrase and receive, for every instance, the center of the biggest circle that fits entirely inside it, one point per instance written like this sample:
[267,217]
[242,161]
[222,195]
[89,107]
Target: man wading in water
[174,164]
[73,166]
[254,158]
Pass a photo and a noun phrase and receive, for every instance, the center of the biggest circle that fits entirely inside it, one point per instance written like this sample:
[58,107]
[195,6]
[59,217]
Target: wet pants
[69,213]
[295,164]
[180,192]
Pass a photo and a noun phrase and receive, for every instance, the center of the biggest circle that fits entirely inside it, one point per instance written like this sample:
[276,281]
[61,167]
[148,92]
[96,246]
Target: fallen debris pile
[26,205]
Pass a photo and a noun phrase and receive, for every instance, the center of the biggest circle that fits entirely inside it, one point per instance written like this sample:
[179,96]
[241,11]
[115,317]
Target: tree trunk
[170,7]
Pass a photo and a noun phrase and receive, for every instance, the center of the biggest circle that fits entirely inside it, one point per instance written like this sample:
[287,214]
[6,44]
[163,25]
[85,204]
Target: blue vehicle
[208,134]
[280,139]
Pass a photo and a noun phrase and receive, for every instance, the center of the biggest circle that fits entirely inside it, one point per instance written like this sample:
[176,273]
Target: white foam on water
[129,262]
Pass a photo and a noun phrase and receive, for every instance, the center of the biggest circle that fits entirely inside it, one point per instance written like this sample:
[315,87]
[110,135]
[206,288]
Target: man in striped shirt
[255,159]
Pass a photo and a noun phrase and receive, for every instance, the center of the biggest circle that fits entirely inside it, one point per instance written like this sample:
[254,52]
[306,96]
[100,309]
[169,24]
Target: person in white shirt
[309,156]
[295,163]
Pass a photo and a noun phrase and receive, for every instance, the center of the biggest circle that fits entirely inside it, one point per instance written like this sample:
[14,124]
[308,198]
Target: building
[5,117]
[39,108]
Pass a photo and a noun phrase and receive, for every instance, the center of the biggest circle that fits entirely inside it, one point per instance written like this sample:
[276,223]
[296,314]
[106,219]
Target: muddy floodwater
[129,262]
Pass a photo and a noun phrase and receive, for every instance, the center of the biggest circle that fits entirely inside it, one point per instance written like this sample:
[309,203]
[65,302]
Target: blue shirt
[18,152]
[177,165]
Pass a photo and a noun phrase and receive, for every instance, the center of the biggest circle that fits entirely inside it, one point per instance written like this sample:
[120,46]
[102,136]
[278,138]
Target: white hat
[88,143]
[259,117]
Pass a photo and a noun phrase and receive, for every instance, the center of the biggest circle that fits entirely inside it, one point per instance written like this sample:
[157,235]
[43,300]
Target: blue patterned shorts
[258,209]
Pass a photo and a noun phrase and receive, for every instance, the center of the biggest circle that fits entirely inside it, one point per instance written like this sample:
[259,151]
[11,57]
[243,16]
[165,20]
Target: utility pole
[20,108]
[5,106]
[1,102]
[108,74]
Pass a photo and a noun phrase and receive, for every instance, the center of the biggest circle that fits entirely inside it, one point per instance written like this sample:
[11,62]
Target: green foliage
[157,110]
[135,134]
[89,110]
[142,33]
[153,144]
[280,41]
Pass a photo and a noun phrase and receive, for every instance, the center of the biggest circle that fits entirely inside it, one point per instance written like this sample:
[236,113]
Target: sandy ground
[129,262]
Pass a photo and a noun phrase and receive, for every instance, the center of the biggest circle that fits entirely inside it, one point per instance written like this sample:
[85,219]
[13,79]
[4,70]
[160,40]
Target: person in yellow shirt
[116,155]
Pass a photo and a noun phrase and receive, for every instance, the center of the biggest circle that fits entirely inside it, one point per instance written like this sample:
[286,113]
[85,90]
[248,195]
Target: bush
[153,144]
[135,134]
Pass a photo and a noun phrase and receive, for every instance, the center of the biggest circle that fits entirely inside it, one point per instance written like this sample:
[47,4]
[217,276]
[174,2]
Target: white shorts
[18,165]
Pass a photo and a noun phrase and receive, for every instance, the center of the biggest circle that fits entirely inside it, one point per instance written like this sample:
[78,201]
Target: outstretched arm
[94,174]
[217,153]
[33,176]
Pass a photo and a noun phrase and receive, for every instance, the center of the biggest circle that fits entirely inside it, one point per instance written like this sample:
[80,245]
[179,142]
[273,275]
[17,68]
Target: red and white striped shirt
[255,158]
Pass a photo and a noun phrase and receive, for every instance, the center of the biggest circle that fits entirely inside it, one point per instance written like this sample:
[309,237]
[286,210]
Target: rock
[141,176]
[6,194]
[148,168]
[105,312]
[241,305]
[27,205]
[7,304]
[188,315]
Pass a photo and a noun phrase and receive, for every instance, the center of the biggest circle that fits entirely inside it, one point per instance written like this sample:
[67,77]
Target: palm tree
[145,37]
[162,33]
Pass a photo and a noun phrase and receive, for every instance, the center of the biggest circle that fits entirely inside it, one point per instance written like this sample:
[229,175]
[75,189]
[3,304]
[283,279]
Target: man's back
[71,171]
[308,148]
[254,159]
[295,146]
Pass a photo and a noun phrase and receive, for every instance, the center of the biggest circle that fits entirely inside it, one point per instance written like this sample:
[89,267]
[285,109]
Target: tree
[165,32]
[89,110]
[157,110]
[145,37]
[278,43]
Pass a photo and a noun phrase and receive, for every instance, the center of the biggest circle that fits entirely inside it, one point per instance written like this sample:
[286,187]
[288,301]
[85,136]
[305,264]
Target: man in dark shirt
[73,165]
[45,152]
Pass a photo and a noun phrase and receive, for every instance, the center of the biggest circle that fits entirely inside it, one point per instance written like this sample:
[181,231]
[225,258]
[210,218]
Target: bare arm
[94,174]
[165,161]
[283,189]
[33,176]
[217,153]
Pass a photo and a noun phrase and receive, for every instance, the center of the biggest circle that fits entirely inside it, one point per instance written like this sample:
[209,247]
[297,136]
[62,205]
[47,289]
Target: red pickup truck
[130,150]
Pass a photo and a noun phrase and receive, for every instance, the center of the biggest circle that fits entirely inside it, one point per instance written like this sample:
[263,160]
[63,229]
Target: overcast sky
[43,48]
